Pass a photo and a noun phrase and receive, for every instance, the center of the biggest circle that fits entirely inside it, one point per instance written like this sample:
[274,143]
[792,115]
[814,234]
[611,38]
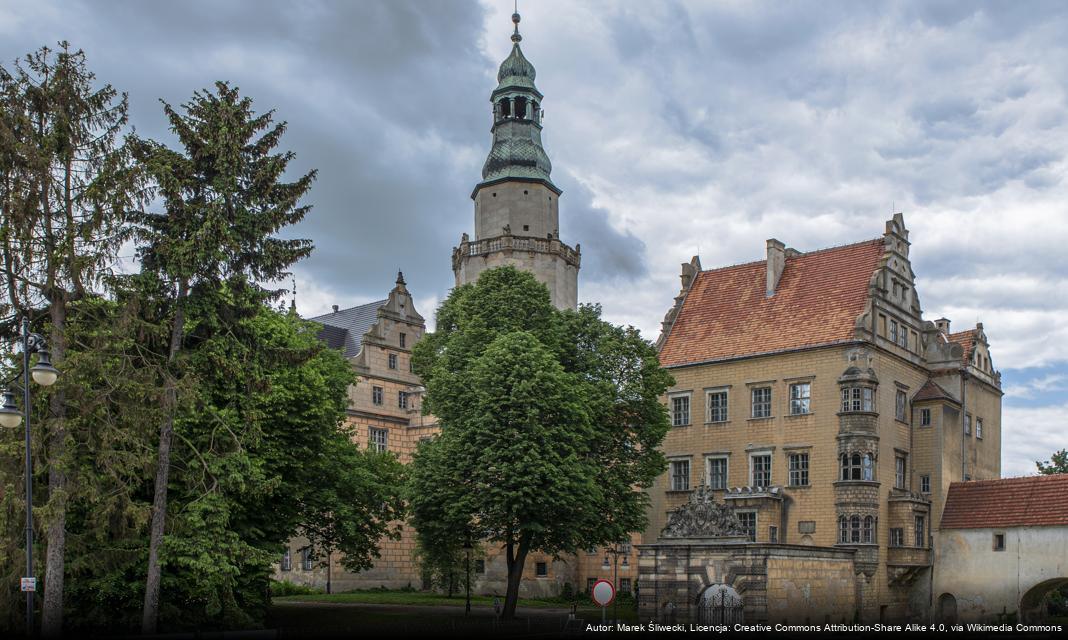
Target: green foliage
[281,589]
[550,424]
[1058,463]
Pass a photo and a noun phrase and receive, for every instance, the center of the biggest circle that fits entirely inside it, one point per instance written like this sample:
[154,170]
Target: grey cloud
[608,255]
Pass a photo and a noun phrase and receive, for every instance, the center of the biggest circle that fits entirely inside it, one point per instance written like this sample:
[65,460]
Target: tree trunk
[150,615]
[515,576]
[52,607]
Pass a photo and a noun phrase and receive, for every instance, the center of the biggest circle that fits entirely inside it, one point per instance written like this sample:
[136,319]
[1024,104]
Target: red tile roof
[1034,501]
[966,339]
[931,390]
[726,313]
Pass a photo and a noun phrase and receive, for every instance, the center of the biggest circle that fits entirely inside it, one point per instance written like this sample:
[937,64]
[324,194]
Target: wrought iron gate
[720,604]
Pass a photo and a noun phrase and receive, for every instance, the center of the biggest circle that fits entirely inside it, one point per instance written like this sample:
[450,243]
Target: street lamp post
[44,374]
[467,551]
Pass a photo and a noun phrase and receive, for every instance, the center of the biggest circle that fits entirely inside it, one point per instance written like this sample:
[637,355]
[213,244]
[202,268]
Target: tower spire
[516,38]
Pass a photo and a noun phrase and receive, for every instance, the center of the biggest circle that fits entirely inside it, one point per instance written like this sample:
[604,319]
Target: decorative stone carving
[702,517]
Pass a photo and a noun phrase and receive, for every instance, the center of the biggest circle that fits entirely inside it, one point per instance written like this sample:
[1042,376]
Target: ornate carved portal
[702,517]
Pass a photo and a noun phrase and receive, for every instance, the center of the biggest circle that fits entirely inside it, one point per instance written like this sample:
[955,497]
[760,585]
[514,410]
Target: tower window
[506,109]
[521,108]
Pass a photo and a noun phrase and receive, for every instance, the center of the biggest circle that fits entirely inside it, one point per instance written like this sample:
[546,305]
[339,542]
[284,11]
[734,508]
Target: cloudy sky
[674,128]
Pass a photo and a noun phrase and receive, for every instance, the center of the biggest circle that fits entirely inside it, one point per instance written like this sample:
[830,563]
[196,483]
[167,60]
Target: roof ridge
[800,254]
[376,303]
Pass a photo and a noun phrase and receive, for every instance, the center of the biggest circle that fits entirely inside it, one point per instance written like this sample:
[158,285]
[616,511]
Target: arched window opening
[854,529]
[843,529]
[855,467]
[869,471]
[521,108]
[844,459]
[506,108]
[869,529]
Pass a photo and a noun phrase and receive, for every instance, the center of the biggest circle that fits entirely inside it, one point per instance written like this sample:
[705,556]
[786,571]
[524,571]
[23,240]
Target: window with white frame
[287,561]
[921,531]
[967,424]
[403,339]
[761,402]
[900,405]
[680,475]
[925,417]
[376,395]
[392,361]
[306,559]
[899,471]
[903,337]
[760,469]
[680,410]
[798,469]
[858,399]
[717,405]
[893,331]
[979,428]
[749,524]
[402,399]
[868,531]
[856,466]
[925,484]
[800,398]
[379,440]
[717,472]
[897,537]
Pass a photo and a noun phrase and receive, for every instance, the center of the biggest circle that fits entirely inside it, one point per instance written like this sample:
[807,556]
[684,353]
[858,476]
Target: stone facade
[819,433]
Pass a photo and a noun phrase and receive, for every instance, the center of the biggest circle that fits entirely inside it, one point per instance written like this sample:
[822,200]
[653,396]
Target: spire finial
[293,302]
[515,19]
[400,278]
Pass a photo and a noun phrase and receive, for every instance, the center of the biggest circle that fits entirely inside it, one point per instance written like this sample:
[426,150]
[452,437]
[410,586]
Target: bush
[286,588]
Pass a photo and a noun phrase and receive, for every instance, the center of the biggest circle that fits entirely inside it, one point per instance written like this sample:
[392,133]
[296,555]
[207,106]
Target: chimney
[776,263]
[335,308]
[943,325]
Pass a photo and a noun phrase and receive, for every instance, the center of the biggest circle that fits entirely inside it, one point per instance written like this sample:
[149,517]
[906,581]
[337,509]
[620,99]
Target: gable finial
[400,277]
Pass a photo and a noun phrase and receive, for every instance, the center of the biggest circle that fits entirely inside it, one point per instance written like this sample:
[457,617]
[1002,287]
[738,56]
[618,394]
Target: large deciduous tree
[550,425]
[1058,463]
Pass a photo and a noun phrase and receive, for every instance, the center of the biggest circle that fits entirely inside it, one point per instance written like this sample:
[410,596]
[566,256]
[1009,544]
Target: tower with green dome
[517,218]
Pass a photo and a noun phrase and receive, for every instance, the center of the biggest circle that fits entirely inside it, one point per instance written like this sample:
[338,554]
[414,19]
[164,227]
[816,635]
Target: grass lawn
[429,598]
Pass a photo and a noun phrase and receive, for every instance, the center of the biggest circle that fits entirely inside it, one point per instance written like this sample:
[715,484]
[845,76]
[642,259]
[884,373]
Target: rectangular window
[403,340]
[680,475]
[717,473]
[903,336]
[306,558]
[773,534]
[799,469]
[541,569]
[858,399]
[979,428]
[925,417]
[749,523]
[999,542]
[925,484]
[800,397]
[900,405]
[378,440]
[392,361]
[287,561]
[893,331]
[376,395]
[402,399]
[680,411]
[762,402]
[897,537]
[967,425]
[921,531]
[899,472]
[624,585]
[480,566]
[717,406]
[761,465]
[589,584]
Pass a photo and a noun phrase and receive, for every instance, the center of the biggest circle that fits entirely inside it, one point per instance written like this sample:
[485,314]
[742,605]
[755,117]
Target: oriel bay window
[856,466]
[858,399]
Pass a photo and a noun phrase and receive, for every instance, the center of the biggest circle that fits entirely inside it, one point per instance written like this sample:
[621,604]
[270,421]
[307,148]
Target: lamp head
[10,416]
[43,372]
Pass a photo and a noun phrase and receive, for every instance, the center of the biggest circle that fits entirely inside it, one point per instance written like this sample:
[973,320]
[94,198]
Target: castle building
[516,223]
[813,398]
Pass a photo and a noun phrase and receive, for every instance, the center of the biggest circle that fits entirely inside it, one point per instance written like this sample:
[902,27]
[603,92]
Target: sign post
[29,584]
[603,593]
